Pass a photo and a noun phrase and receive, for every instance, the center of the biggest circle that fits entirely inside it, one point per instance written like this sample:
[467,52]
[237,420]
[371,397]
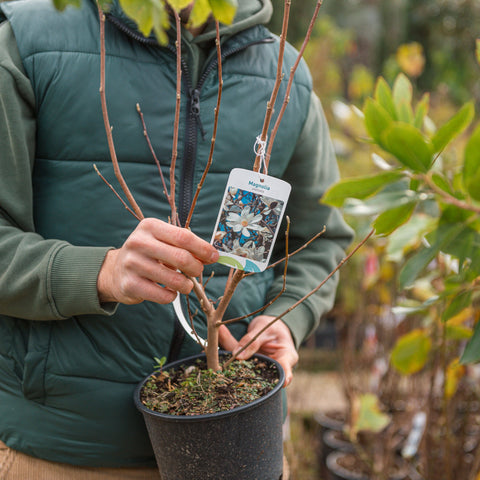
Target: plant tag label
[249,219]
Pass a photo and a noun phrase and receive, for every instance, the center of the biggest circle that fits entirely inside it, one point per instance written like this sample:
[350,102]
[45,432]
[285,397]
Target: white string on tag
[260,149]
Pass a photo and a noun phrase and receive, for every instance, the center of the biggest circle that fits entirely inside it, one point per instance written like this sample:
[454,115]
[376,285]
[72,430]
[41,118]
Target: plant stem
[178,45]
[108,128]
[115,192]
[290,82]
[309,294]
[152,151]
[447,197]
[278,81]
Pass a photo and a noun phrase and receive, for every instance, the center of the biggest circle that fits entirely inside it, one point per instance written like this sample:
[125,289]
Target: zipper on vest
[193,124]
[193,121]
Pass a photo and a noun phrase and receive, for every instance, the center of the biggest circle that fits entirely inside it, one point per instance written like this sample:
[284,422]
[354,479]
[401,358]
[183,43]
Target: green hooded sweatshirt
[69,364]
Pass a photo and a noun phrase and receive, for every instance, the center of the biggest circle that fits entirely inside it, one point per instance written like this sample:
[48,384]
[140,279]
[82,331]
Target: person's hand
[276,342]
[145,267]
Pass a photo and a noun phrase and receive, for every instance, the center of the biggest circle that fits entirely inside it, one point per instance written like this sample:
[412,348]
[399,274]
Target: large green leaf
[380,203]
[200,12]
[359,187]
[458,332]
[383,95]
[62,4]
[472,350]
[415,264]
[367,415]
[411,352]
[407,236]
[405,112]
[377,119]
[402,89]
[390,220]
[224,10]
[441,182]
[421,110]
[471,165]
[141,11]
[179,4]
[457,304]
[409,146]
[456,125]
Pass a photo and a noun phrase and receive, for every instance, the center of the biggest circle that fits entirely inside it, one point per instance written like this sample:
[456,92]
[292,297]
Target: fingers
[182,249]
[275,342]
[226,339]
[146,266]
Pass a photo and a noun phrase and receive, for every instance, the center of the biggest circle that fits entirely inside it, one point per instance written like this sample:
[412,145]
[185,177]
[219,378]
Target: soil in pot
[243,442]
[195,390]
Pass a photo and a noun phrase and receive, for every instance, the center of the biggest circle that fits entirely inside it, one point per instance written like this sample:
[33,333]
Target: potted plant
[238,460]
[425,201]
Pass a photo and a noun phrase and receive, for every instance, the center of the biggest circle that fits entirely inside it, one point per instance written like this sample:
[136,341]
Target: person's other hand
[276,342]
[145,267]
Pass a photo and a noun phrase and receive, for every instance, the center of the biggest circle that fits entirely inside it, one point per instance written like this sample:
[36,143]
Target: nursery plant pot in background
[244,443]
[347,466]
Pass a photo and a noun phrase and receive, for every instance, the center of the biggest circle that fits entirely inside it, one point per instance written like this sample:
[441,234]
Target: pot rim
[208,416]
[338,469]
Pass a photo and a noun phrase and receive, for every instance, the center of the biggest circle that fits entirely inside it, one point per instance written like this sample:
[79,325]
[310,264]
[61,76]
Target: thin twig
[309,294]
[178,45]
[152,151]
[108,128]
[282,291]
[115,192]
[215,125]
[208,279]
[278,81]
[447,197]
[305,245]
[290,82]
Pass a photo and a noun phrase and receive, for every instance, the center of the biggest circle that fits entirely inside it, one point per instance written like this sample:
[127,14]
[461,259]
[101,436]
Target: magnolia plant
[154,16]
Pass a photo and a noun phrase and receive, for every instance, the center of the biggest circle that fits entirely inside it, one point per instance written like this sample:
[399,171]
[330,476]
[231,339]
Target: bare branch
[106,121]
[215,125]
[309,294]
[278,81]
[290,82]
[115,192]
[178,45]
[229,291]
[150,146]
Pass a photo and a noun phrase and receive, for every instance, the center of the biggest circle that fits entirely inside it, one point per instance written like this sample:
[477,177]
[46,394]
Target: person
[86,288]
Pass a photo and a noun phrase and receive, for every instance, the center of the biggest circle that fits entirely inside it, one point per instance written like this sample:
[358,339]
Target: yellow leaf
[411,59]
[461,317]
[455,372]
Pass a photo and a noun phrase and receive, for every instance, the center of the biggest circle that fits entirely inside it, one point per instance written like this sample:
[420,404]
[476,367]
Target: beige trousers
[18,466]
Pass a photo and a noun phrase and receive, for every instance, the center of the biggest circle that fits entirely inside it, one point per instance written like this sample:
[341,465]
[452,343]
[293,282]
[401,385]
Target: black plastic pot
[334,440]
[338,472]
[241,444]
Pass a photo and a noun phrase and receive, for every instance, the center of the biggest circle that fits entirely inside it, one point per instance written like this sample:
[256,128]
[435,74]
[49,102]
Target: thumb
[226,339]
